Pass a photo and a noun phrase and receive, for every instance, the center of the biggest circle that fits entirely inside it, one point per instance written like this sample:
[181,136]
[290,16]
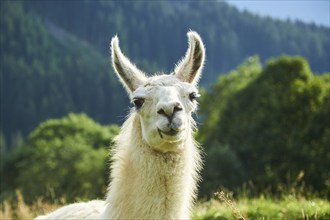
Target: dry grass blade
[225,198]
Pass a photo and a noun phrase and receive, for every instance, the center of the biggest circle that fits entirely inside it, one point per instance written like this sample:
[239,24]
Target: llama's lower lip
[168,133]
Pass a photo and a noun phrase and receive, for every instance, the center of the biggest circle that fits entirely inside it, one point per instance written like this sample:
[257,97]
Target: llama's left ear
[190,67]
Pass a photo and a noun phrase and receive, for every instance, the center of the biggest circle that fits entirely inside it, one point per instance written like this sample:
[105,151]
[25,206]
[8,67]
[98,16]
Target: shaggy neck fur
[146,184]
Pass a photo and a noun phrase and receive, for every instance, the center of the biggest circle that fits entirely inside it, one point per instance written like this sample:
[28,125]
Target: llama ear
[130,76]
[190,67]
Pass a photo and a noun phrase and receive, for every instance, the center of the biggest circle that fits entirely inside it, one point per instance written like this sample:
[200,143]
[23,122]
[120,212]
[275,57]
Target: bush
[64,158]
[274,127]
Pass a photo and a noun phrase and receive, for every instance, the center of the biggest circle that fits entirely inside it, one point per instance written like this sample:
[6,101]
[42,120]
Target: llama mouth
[171,132]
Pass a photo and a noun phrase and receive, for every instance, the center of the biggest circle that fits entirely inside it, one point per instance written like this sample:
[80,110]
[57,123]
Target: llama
[155,162]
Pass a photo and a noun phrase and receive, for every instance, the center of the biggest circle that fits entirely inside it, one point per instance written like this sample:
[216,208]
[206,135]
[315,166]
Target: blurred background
[264,120]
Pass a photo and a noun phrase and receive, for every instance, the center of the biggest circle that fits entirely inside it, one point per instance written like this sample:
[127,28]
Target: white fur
[87,210]
[155,160]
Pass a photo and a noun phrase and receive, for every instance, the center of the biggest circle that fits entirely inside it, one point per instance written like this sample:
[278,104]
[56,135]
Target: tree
[273,126]
[54,55]
[63,158]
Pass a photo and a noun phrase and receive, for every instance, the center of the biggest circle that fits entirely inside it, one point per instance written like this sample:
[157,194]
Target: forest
[263,119]
[55,54]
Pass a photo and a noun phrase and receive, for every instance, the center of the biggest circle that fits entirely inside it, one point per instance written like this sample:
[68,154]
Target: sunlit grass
[288,207]
[265,208]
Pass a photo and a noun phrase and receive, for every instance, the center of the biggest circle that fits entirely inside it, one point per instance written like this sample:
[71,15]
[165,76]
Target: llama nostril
[177,108]
[161,112]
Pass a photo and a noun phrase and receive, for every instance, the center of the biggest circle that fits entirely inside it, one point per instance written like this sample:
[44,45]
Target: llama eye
[138,102]
[193,96]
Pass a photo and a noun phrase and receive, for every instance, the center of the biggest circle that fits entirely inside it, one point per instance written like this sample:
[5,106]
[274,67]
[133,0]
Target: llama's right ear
[130,76]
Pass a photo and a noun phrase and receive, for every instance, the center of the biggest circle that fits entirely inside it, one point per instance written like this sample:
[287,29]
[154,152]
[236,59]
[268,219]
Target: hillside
[47,72]
[55,54]
[154,31]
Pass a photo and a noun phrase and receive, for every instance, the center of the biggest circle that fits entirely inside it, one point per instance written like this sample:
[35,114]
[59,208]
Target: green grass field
[287,208]
[262,208]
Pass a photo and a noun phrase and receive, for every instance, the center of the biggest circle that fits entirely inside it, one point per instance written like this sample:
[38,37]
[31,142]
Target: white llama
[155,161]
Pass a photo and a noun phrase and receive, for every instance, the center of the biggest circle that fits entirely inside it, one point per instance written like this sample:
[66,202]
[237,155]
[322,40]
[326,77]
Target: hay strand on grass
[225,198]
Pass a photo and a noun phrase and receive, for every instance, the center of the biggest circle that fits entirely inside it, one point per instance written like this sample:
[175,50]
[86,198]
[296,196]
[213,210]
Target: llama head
[164,103]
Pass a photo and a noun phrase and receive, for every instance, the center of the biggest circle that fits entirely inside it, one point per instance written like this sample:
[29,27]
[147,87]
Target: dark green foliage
[55,54]
[262,126]
[63,158]
[273,131]
[73,125]
[152,31]
[46,73]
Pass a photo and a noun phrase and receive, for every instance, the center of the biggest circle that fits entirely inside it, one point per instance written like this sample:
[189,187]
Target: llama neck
[149,184]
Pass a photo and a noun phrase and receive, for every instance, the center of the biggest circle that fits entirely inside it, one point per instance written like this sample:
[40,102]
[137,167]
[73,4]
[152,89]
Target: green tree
[63,158]
[222,165]
[54,55]
[271,126]
[223,91]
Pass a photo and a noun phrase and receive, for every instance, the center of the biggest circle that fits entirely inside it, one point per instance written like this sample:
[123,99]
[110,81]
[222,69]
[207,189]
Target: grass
[262,208]
[220,208]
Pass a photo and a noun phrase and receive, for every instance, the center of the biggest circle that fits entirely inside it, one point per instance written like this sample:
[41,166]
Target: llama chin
[155,161]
